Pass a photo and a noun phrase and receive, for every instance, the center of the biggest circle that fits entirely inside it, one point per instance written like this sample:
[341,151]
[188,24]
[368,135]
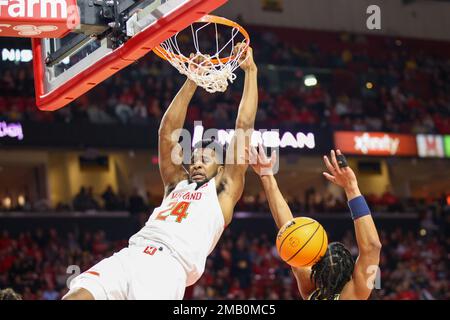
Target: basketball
[301,242]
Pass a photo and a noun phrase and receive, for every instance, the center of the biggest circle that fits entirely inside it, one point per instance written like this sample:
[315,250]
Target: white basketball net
[213,77]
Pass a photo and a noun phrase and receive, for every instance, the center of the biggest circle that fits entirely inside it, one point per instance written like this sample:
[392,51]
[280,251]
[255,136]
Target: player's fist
[246,59]
[199,65]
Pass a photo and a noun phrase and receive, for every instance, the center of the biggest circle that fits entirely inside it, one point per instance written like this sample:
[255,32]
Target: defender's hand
[343,177]
[261,164]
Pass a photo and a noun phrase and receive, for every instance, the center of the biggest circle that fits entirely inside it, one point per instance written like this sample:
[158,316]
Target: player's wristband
[358,207]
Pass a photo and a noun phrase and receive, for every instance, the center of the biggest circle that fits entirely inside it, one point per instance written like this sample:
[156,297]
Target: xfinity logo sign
[366,143]
[375,143]
[34,8]
[268,138]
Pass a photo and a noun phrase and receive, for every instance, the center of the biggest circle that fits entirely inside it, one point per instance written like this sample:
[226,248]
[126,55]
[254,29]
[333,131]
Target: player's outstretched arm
[369,244]
[173,120]
[235,166]
[249,102]
[263,166]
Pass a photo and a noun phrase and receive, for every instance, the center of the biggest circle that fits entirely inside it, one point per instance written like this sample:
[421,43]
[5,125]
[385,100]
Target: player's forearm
[278,206]
[249,102]
[175,114]
[366,233]
[305,284]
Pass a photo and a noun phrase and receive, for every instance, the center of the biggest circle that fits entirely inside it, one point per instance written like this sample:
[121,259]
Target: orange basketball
[302,242]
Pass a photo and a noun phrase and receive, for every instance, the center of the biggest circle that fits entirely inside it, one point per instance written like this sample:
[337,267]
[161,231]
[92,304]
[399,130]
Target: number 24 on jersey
[178,209]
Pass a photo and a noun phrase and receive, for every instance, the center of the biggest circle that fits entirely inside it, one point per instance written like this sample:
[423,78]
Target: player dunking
[335,276]
[170,251]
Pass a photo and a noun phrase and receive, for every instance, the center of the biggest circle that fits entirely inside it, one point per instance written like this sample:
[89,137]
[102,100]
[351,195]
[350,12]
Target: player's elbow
[373,247]
[164,130]
[376,245]
[244,124]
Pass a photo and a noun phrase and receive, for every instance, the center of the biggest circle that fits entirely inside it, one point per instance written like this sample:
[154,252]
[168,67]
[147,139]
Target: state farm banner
[38,18]
[375,143]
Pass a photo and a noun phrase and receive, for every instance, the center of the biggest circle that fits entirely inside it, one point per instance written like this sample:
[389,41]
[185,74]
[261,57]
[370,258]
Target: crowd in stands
[38,264]
[310,202]
[34,262]
[363,84]
[85,200]
[248,267]
[313,201]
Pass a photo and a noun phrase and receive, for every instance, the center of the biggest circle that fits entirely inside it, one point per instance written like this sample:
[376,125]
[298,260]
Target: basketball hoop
[217,67]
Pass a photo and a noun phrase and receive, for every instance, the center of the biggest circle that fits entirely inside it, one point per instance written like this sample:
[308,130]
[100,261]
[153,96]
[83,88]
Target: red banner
[38,18]
[375,143]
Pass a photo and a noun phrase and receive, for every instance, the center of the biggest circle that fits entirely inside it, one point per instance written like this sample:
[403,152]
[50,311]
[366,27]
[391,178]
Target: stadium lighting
[21,200]
[310,80]
[7,202]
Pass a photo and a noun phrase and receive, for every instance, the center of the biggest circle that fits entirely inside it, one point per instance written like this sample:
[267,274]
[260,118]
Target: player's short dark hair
[220,149]
[9,294]
[332,272]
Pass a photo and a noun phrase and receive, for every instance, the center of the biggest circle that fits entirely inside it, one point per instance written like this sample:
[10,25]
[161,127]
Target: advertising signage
[430,146]
[375,143]
[268,138]
[87,135]
[447,146]
[294,140]
[11,130]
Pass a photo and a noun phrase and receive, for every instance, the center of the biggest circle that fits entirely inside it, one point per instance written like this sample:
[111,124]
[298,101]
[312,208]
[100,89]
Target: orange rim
[162,53]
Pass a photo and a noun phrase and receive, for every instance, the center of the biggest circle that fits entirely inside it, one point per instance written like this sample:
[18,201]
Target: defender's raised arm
[369,244]
[263,167]
[281,213]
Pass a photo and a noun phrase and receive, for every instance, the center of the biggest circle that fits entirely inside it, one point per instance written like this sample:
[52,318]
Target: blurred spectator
[110,199]
[98,115]
[9,294]
[390,200]
[136,202]
[50,293]
[84,200]
[123,112]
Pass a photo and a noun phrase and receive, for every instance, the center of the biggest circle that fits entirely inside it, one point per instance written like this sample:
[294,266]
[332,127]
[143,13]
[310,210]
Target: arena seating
[401,86]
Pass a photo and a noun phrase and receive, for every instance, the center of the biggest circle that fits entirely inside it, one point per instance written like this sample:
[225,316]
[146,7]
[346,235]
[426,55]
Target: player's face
[203,166]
